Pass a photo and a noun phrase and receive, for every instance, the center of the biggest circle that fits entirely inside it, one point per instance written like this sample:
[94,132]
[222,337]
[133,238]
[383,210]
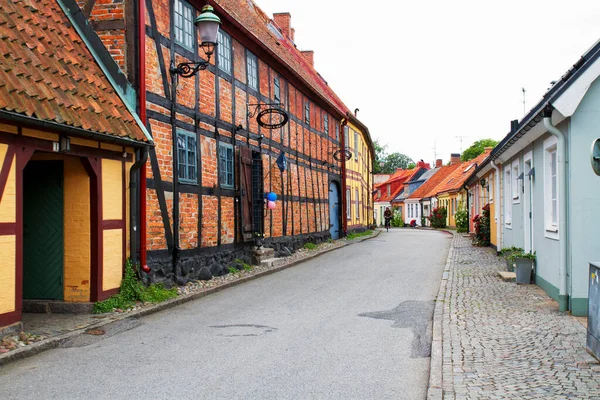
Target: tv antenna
[460,138]
[524,108]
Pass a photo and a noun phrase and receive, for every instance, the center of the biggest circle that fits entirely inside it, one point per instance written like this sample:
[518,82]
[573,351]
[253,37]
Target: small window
[224,51]
[346,137]
[389,190]
[515,181]
[183,16]
[337,131]
[551,188]
[326,124]
[226,165]
[357,216]
[356,146]
[186,147]
[348,204]
[307,113]
[507,196]
[252,70]
[277,90]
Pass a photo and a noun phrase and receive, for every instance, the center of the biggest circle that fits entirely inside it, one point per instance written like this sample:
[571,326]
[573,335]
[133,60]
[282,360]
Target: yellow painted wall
[83,142]
[8,270]
[493,236]
[8,204]
[40,134]
[77,231]
[112,190]
[363,167]
[113,259]
[127,200]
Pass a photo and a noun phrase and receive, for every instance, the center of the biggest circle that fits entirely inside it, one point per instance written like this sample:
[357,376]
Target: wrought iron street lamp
[208,25]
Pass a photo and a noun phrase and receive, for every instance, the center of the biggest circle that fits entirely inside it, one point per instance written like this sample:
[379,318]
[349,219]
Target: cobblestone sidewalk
[499,340]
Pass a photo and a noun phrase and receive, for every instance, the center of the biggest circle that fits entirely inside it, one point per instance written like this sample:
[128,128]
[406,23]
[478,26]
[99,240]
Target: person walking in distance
[387,214]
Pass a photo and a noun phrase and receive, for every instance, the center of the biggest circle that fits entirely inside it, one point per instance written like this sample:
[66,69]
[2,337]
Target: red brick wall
[218,98]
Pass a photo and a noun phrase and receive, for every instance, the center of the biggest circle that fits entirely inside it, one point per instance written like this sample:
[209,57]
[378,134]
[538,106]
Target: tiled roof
[459,176]
[48,73]
[423,178]
[428,189]
[251,17]
[397,180]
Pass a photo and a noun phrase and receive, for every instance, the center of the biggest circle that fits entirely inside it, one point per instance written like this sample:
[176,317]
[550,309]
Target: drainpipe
[497,205]
[468,209]
[142,96]
[133,204]
[561,152]
[344,199]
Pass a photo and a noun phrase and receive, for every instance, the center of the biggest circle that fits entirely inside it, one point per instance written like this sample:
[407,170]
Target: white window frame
[184,15]
[348,204]
[252,70]
[551,227]
[515,167]
[224,48]
[507,196]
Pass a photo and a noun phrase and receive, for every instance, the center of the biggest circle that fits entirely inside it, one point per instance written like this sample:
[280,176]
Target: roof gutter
[561,151]
[52,126]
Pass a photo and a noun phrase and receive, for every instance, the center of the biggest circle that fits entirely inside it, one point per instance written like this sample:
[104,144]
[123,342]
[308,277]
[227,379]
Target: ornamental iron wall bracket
[271,117]
[189,69]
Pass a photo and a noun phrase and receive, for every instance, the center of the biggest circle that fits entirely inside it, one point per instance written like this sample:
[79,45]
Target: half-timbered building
[208,208]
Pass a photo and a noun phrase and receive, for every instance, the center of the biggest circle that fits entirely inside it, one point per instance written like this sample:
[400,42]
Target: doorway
[527,202]
[43,230]
[334,211]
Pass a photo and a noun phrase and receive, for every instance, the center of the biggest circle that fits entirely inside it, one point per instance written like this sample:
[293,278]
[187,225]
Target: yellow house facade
[359,175]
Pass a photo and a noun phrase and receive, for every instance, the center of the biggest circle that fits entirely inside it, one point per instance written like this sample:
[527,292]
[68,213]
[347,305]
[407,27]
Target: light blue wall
[513,235]
[584,192]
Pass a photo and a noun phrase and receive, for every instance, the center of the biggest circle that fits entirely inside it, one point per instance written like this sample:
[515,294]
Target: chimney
[309,56]
[454,158]
[284,21]
[514,124]
[293,33]
[438,163]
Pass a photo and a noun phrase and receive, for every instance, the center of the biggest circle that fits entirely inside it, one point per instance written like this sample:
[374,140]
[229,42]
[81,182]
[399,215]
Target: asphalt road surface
[354,323]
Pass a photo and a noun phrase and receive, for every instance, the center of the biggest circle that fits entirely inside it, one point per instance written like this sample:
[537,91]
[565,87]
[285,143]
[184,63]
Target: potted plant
[506,253]
[523,263]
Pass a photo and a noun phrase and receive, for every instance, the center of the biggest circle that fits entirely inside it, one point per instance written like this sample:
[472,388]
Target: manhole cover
[242,330]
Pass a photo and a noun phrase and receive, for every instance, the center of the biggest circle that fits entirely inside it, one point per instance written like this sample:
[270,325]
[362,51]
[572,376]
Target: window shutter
[246,191]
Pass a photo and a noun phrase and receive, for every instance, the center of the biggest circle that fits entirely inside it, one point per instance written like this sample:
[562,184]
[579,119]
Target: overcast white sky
[424,73]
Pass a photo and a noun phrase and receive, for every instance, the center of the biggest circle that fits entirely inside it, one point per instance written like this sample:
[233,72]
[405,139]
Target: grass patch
[310,246]
[245,266]
[355,235]
[132,291]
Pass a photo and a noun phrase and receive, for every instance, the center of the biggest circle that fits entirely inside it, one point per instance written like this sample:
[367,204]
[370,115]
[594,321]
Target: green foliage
[508,250]
[437,219]
[462,219]
[310,246]
[482,227]
[132,291]
[477,148]
[355,235]
[246,267]
[411,165]
[390,161]
[232,270]
[521,254]
[397,221]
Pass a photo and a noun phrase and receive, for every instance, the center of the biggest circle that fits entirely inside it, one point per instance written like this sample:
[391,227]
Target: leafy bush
[397,221]
[310,246]
[437,219]
[462,219]
[482,227]
[355,235]
[132,291]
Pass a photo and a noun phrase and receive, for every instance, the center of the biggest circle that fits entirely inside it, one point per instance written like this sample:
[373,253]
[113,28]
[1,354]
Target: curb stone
[435,387]
[56,341]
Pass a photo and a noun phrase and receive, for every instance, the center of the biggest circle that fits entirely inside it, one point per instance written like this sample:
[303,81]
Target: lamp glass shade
[208,26]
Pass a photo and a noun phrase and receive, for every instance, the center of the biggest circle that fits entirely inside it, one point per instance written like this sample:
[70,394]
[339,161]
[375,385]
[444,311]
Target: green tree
[379,156]
[477,148]
[396,160]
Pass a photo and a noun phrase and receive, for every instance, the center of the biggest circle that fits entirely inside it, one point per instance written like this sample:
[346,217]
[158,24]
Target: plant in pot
[506,253]
[523,263]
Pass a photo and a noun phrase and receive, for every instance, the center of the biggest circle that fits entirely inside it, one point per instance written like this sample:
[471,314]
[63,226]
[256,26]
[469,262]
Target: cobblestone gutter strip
[53,342]
[435,387]
[502,340]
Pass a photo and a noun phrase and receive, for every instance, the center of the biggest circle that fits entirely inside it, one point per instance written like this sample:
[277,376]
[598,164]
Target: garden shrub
[437,219]
[462,219]
[482,227]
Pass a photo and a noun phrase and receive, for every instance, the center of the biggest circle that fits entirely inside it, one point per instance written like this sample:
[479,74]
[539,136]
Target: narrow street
[354,323]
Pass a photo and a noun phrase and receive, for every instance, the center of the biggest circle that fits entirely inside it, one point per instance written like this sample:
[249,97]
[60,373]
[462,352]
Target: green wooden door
[43,235]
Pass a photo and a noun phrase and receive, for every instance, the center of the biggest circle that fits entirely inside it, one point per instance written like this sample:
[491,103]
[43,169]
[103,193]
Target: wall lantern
[208,26]
[65,144]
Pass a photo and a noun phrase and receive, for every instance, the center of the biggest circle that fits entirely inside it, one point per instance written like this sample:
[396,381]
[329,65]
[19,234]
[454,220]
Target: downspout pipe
[344,199]
[561,152]
[133,204]
[468,209]
[497,206]
[142,107]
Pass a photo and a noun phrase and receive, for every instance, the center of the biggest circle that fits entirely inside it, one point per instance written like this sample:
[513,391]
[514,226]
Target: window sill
[551,233]
[508,225]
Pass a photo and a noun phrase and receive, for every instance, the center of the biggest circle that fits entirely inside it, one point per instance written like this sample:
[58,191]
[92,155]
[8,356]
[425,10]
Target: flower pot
[523,268]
